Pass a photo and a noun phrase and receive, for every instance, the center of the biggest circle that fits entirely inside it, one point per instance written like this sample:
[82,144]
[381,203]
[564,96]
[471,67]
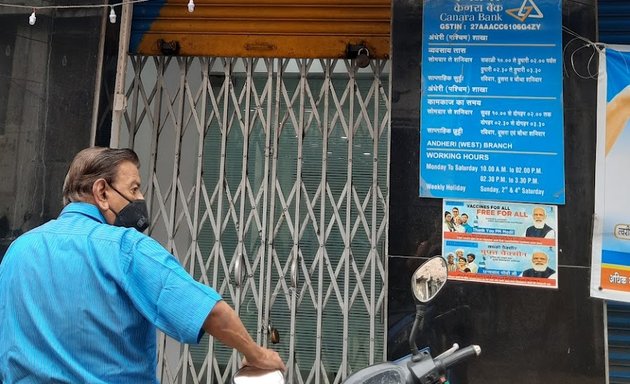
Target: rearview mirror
[429,279]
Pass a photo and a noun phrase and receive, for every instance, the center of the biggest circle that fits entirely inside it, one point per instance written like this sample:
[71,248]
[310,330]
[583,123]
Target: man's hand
[225,325]
[265,359]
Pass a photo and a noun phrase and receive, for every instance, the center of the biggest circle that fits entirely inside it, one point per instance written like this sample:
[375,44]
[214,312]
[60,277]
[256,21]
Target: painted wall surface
[528,335]
[47,77]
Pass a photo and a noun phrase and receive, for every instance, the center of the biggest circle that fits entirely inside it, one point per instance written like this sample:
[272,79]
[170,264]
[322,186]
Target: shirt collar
[86,209]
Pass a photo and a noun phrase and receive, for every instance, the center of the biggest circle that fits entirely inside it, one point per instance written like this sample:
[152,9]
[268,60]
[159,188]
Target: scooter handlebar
[457,357]
[411,369]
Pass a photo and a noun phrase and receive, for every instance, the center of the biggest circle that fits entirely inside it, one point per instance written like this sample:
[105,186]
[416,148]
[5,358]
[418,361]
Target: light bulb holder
[112,16]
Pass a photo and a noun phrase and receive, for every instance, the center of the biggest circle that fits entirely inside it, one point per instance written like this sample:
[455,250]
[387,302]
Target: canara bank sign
[491,100]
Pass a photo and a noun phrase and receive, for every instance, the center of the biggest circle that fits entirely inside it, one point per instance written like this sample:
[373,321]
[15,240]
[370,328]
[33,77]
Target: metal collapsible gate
[268,179]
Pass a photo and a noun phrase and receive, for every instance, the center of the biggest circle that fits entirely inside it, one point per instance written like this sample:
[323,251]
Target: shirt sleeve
[165,293]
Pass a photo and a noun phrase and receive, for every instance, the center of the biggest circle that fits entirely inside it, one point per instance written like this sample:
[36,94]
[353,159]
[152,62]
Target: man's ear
[99,193]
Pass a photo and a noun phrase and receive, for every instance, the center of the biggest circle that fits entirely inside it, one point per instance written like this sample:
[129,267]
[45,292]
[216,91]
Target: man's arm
[225,325]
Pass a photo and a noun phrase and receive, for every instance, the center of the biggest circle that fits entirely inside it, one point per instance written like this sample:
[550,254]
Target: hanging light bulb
[191,6]
[112,16]
[32,18]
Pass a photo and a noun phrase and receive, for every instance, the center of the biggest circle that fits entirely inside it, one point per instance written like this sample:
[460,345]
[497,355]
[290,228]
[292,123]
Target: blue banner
[491,106]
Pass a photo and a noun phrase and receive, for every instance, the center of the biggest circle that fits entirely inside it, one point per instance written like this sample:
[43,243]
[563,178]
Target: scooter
[418,367]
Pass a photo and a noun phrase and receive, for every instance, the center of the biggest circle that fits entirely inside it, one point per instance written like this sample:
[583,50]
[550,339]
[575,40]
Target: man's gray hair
[90,165]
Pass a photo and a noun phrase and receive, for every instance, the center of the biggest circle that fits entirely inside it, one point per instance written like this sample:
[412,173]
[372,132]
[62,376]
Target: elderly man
[81,296]
[539,227]
[540,266]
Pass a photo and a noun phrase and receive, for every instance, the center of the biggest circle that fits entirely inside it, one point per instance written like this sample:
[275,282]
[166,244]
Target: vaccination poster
[491,124]
[499,242]
[610,272]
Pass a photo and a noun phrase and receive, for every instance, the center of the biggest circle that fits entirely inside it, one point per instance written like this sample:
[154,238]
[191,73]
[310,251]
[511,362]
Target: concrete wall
[47,81]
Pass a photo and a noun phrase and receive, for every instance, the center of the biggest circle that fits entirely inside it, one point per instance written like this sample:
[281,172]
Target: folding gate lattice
[268,179]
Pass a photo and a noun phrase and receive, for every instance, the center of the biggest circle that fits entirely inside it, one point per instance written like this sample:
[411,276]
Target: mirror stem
[418,324]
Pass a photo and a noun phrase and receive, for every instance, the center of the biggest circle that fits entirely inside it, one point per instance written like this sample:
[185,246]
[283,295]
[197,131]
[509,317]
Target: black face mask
[133,215]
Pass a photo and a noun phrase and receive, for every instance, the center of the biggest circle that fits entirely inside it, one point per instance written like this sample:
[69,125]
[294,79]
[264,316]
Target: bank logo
[527,9]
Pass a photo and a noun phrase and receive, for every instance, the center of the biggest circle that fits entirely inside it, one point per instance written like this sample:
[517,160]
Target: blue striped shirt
[80,301]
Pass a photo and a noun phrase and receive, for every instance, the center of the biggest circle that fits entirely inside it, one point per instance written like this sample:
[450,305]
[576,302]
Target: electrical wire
[112,14]
[586,44]
[33,7]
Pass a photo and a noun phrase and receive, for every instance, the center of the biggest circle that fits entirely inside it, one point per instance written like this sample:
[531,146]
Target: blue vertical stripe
[144,14]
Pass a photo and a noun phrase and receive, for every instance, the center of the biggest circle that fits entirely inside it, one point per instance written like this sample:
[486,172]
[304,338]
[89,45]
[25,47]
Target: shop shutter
[614,21]
[618,342]
[250,28]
